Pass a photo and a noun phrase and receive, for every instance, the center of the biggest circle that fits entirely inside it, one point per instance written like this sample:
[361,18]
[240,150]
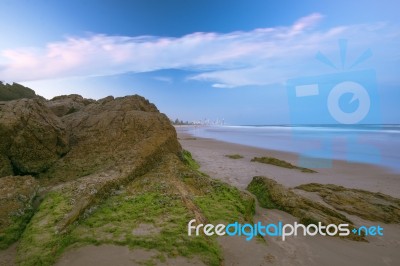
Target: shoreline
[210,154]
[366,149]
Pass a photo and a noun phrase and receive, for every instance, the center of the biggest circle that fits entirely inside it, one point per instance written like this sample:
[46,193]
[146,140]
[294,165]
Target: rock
[281,163]
[16,198]
[272,195]
[365,204]
[67,104]
[107,142]
[5,166]
[86,153]
[168,195]
[112,142]
[123,134]
[33,138]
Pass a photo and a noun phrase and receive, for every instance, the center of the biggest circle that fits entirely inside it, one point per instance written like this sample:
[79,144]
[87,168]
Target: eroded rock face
[273,195]
[367,205]
[69,137]
[122,134]
[32,137]
[97,146]
[112,141]
[67,104]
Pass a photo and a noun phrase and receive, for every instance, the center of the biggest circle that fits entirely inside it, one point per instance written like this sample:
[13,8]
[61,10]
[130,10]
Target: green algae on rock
[162,200]
[234,156]
[17,194]
[281,163]
[365,204]
[272,195]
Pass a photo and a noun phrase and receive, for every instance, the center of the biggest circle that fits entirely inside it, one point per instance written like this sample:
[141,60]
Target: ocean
[372,144]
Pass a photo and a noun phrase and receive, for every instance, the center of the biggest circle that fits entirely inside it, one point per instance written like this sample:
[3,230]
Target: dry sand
[299,250]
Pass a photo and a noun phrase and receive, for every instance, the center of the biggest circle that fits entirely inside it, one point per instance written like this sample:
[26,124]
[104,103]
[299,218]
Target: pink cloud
[260,56]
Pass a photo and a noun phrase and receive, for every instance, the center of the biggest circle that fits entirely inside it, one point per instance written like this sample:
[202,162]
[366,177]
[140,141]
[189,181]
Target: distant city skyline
[197,59]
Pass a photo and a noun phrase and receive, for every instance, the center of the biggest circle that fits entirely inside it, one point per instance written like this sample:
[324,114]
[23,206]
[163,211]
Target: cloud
[257,57]
[163,79]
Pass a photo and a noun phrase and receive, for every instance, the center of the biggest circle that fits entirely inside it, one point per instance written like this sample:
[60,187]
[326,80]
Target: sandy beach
[210,154]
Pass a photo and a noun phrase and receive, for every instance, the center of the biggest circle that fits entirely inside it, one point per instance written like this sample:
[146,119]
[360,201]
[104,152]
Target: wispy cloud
[163,79]
[260,56]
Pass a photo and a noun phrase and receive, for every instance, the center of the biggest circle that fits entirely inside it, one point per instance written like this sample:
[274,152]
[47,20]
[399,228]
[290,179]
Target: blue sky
[200,59]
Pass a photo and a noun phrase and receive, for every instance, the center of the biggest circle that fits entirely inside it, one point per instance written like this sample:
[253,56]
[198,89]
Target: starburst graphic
[343,52]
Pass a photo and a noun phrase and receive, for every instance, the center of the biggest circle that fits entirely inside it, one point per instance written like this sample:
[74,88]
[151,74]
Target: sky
[241,61]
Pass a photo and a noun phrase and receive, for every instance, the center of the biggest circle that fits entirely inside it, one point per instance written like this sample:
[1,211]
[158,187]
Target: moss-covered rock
[32,137]
[16,206]
[186,157]
[234,156]
[281,163]
[123,134]
[272,195]
[367,205]
[161,201]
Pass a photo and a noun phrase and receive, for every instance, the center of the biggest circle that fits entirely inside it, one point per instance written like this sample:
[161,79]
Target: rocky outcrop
[112,141]
[273,195]
[365,204]
[84,153]
[123,135]
[150,211]
[70,137]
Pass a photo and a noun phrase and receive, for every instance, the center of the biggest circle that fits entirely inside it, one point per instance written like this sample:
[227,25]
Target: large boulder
[114,134]
[47,139]
[112,141]
[81,156]
[32,137]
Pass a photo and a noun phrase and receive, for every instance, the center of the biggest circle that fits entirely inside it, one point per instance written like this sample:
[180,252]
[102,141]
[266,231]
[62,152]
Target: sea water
[373,144]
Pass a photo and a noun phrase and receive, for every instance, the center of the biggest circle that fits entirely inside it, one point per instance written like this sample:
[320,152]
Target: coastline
[300,250]
[211,153]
